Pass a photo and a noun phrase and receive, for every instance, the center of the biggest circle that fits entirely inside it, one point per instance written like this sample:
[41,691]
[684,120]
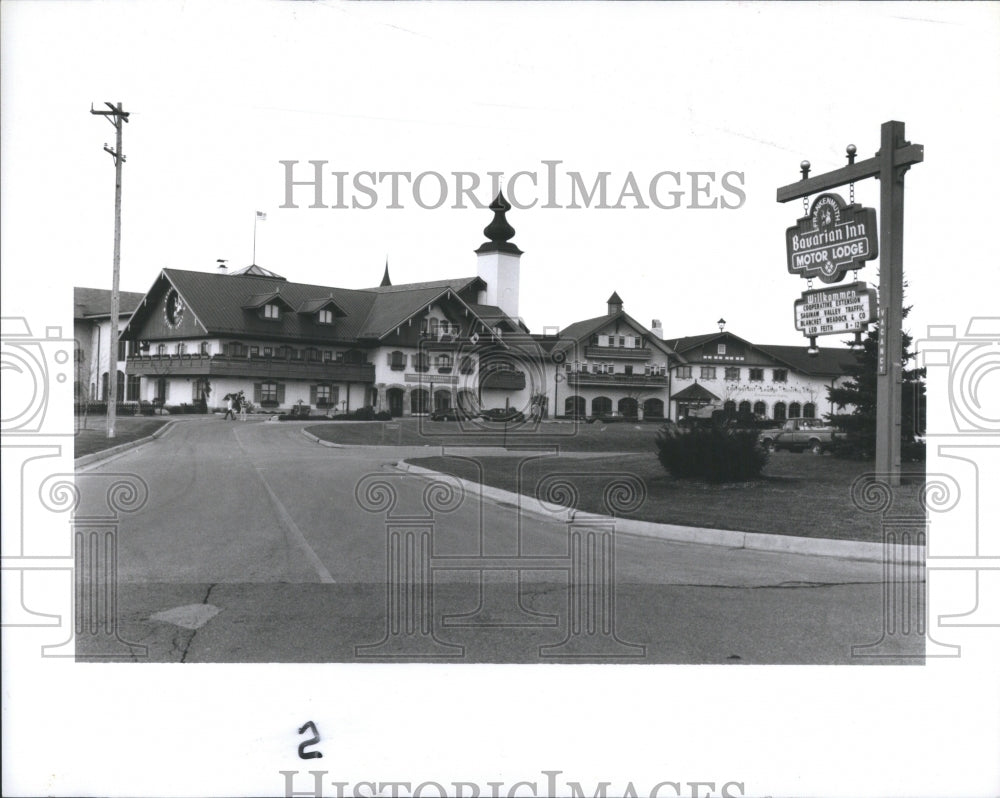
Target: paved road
[255,545]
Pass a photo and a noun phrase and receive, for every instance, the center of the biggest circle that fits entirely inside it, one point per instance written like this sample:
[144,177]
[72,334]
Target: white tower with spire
[499,261]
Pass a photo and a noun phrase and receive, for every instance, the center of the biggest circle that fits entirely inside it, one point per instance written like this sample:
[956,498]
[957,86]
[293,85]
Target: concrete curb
[728,538]
[96,457]
[321,442]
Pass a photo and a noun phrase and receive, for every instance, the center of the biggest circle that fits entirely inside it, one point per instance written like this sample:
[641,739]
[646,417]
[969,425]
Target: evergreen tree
[860,391]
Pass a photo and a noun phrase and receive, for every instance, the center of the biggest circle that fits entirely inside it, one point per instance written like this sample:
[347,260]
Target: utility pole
[117,117]
[888,166]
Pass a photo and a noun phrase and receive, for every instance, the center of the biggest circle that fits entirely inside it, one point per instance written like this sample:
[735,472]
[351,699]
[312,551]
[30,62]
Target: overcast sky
[219,94]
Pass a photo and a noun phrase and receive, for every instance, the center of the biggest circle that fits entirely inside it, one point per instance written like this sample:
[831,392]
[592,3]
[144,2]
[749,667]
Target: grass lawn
[94,438]
[800,494]
[567,436]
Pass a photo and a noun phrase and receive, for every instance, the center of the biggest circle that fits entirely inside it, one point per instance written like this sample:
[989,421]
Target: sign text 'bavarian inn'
[833,238]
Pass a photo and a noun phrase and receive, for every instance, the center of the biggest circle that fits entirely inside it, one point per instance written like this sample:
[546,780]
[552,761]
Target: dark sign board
[833,238]
[828,311]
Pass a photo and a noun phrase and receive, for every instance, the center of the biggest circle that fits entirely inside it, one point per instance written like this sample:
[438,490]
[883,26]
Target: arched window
[779,411]
[744,408]
[418,401]
[628,407]
[730,409]
[760,409]
[809,411]
[600,405]
[442,399]
[652,408]
[795,410]
[576,406]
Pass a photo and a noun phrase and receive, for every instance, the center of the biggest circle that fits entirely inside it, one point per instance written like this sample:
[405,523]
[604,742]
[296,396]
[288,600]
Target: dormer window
[272,311]
[325,316]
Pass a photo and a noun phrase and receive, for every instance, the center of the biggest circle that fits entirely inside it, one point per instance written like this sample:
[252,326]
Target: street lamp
[722,325]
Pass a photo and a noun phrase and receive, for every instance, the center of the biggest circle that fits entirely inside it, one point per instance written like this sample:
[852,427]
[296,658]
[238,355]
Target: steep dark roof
[94,302]
[695,393]
[830,362]
[691,341]
[580,332]
[223,305]
[614,299]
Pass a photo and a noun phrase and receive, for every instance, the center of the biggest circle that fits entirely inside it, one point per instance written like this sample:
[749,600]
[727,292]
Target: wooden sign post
[895,156]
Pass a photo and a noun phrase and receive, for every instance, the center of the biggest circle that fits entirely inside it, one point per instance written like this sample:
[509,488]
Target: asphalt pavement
[255,544]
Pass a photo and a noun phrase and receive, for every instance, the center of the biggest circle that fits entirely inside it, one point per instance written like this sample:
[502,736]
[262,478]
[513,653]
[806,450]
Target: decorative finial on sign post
[805,166]
[851,152]
[722,324]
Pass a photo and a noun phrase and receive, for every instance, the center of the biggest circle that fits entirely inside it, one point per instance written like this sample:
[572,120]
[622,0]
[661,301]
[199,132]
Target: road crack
[187,644]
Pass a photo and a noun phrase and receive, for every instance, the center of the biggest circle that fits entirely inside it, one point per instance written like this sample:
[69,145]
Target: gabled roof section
[96,302]
[695,393]
[314,305]
[581,331]
[456,284]
[830,362]
[689,342]
[256,301]
[393,308]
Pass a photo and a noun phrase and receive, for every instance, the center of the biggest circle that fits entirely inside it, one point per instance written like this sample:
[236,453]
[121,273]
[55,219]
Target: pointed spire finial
[385,276]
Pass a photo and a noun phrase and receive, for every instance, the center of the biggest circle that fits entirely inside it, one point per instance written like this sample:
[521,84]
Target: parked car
[611,417]
[799,434]
[501,414]
[450,414]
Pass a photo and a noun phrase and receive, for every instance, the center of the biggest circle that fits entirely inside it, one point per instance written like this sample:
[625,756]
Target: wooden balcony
[616,353]
[579,379]
[249,367]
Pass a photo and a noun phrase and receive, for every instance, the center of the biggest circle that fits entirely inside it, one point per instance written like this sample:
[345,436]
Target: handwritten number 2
[303,754]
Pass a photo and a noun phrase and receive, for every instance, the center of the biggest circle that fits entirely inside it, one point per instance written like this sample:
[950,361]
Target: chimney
[222,265]
[657,329]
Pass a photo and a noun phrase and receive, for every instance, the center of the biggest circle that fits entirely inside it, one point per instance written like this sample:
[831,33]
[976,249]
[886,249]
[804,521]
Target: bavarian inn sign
[833,238]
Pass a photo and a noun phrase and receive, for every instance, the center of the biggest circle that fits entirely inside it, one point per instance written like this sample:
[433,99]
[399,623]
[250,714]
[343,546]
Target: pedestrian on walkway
[242,401]
[229,408]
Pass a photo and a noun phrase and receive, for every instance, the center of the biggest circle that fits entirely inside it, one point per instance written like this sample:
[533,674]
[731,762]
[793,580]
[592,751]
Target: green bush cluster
[712,455]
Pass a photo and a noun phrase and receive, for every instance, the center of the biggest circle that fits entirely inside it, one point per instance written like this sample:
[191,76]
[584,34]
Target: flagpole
[254,259]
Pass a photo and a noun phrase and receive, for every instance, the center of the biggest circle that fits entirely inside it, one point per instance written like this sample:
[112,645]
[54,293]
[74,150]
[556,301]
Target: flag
[261,216]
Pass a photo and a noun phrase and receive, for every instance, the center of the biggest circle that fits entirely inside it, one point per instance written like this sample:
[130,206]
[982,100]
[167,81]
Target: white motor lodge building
[410,349]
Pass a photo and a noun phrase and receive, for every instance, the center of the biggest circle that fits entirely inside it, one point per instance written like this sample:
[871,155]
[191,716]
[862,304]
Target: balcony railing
[579,378]
[250,367]
[616,353]
[502,379]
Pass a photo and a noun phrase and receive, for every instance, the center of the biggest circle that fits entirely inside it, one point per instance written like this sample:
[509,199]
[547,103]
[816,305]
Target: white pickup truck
[799,434]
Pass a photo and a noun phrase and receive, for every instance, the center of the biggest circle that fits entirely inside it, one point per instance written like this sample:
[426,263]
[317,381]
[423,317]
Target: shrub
[712,455]
[383,415]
